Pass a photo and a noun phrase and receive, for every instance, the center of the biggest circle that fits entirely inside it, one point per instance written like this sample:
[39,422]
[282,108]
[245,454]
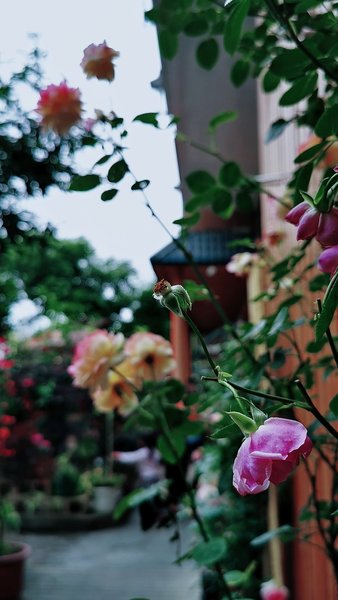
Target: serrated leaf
[140,185]
[207,53]
[329,305]
[109,194]
[234,25]
[208,553]
[148,118]
[117,171]
[84,183]
[224,117]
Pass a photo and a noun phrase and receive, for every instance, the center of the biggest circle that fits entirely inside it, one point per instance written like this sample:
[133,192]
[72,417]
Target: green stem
[315,410]
[329,336]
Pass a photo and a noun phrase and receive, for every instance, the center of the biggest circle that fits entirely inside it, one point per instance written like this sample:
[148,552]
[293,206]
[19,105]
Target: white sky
[122,229]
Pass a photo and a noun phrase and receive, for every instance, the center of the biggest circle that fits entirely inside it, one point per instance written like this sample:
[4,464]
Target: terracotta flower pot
[12,571]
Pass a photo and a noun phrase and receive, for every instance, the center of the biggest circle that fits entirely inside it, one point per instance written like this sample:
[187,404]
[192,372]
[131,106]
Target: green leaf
[327,124]
[224,117]
[138,496]
[196,26]
[140,185]
[103,159]
[148,118]
[329,305]
[275,130]
[279,321]
[301,89]
[240,72]
[285,532]
[246,424]
[109,194]
[290,64]
[208,553]
[168,43]
[84,183]
[172,452]
[334,405]
[270,82]
[117,171]
[207,53]
[222,203]
[200,181]
[230,174]
[310,153]
[187,221]
[234,25]
[197,201]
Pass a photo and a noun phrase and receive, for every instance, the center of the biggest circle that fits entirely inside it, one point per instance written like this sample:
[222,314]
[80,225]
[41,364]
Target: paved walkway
[120,563]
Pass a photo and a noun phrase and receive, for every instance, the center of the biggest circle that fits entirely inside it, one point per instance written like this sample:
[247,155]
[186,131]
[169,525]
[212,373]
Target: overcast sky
[123,228]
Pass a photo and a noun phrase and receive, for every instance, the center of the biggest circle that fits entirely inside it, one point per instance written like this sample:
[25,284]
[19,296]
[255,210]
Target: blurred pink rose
[311,223]
[271,591]
[151,355]
[97,61]
[119,393]
[38,440]
[269,455]
[60,107]
[93,357]
[328,260]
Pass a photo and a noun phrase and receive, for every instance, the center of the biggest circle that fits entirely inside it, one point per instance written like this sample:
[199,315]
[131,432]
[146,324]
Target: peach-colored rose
[151,355]
[119,394]
[331,155]
[97,61]
[94,356]
[60,107]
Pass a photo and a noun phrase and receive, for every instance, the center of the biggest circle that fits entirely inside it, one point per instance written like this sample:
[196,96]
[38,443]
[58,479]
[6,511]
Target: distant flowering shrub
[269,455]
[59,107]
[98,61]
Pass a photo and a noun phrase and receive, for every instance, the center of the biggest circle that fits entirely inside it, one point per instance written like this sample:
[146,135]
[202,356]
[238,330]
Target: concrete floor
[120,563]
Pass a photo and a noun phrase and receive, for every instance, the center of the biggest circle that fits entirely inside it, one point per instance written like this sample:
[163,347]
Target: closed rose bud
[172,297]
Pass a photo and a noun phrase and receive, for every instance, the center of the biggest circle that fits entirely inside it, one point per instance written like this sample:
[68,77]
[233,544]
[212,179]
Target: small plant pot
[105,498]
[12,570]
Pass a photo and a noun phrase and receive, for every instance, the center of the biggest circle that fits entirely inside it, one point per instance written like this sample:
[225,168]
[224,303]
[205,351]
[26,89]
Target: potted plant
[106,489]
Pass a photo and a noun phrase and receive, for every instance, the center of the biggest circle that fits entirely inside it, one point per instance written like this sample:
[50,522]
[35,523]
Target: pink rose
[269,455]
[271,591]
[97,61]
[328,260]
[60,107]
[151,355]
[93,357]
[311,223]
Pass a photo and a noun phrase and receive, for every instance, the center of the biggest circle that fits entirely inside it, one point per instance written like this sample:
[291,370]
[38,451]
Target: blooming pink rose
[60,107]
[151,355]
[269,455]
[311,223]
[328,260]
[271,591]
[97,61]
[93,357]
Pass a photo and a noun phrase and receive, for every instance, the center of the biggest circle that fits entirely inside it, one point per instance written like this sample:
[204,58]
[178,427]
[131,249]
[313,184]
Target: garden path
[118,563]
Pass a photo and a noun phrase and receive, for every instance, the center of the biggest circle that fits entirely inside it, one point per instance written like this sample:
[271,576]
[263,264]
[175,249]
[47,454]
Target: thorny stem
[315,410]
[257,393]
[329,336]
[191,495]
